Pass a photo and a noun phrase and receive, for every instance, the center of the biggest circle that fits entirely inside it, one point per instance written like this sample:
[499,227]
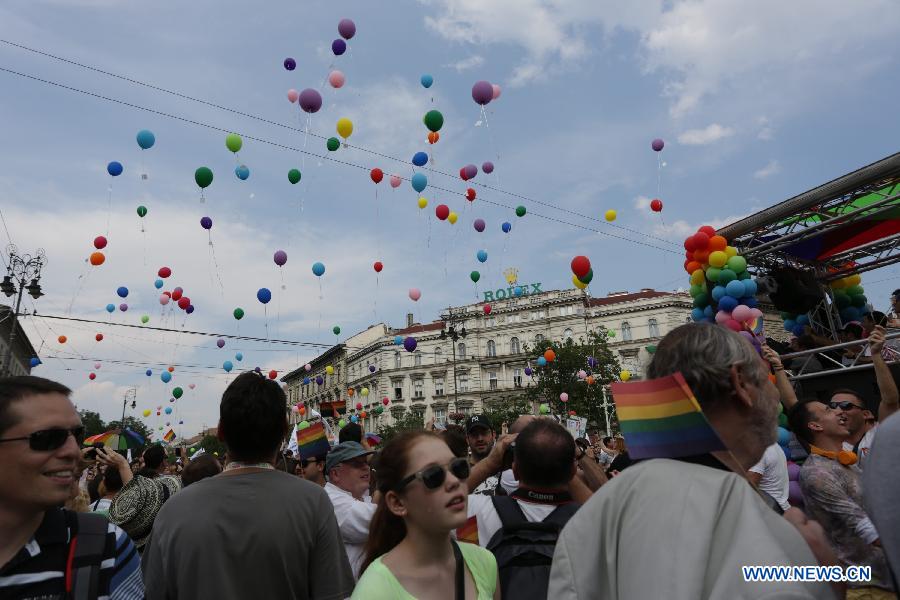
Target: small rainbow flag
[468,531]
[312,442]
[170,435]
[661,418]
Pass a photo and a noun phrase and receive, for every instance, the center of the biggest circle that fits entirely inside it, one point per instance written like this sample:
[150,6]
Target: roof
[435,326]
[320,359]
[620,298]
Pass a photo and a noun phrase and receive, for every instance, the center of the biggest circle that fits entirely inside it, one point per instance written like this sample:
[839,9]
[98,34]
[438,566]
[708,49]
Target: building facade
[22,351]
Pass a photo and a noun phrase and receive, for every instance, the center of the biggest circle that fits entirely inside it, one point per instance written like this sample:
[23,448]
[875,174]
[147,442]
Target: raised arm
[492,463]
[887,387]
[785,389]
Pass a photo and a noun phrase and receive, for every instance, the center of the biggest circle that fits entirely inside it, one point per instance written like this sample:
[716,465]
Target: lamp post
[21,269]
[451,332]
[130,394]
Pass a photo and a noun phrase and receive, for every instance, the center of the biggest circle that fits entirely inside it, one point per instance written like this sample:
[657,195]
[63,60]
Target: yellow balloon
[718,259]
[625,375]
[344,127]
[329,369]
[698,277]
[364,391]
[610,215]
[452,217]
[579,284]
[423,202]
[146,412]
[730,251]
[854,279]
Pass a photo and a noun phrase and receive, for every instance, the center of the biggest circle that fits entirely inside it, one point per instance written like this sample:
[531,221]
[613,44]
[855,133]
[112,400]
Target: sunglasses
[306,462]
[434,476]
[50,439]
[845,405]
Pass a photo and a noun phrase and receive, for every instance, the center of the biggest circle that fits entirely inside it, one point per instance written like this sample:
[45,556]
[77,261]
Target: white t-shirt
[773,468]
[865,445]
[489,523]
[353,517]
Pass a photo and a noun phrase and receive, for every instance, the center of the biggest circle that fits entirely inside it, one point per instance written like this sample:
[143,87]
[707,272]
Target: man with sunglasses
[312,469]
[347,467]
[46,551]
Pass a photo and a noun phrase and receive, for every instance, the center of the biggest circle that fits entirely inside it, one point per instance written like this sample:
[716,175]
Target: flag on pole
[170,435]
[312,442]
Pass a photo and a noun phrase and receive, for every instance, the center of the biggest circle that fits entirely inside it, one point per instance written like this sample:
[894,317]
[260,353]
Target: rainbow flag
[661,418]
[468,531]
[312,441]
[170,435]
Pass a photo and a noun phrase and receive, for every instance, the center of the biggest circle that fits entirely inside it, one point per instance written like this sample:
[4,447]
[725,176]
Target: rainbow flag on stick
[661,418]
[311,441]
[170,435]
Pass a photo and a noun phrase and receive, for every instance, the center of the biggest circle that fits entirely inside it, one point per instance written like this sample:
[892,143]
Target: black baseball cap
[477,421]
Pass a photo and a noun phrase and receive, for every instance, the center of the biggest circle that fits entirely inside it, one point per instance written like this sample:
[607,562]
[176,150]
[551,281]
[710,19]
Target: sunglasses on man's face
[50,439]
[845,405]
[306,462]
[434,476]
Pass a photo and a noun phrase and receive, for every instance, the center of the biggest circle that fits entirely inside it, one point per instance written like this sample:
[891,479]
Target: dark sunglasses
[845,405]
[307,461]
[50,439]
[434,476]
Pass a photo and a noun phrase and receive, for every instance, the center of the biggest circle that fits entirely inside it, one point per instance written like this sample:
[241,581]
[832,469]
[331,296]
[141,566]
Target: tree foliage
[93,424]
[506,410]
[211,444]
[410,420]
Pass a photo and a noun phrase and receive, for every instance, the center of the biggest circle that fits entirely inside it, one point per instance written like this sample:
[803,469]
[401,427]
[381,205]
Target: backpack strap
[508,510]
[85,556]
[562,514]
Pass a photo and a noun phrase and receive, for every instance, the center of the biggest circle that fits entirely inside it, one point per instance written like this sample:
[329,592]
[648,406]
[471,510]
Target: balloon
[414,294]
[263,295]
[452,217]
[189,309]
[329,370]
[97,258]
[738,264]
[336,79]
[742,313]
[220,343]
[142,211]
[610,215]
[177,392]
[165,376]
[549,355]
[433,120]
[148,373]
[734,288]
[426,81]
[307,367]
[114,168]
[578,283]
[280,257]
[495,91]
[35,361]
[310,100]
[544,409]
[718,259]
[376,174]
[146,412]
[587,278]
[227,366]
[564,397]
[520,211]
[92,376]
[481,255]
[657,145]
[122,292]
[795,493]
[506,227]
[474,276]
[541,361]
[529,371]
[336,330]
[470,171]
[442,211]
[346,28]
[420,159]
[239,356]
[233,142]
[333,144]
[242,172]
[656,205]
[784,436]
[294,176]
[273,374]
[410,344]
[433,137]
[487,309]
[184,302]
[487,166]
[398,340]
[378,266]
[385,401]
[293,95]
[203,176]
[371,370]
[145,139]
[99,337]
[344,127]
[145,319]
[164,299]
[482,92]
[479,225]
[338,47]
[100,242]
[625,375]
[395,181]
[318,269]
[725,276]
[470,194]
[290,64]
[419,182]
[580,265]
[206,223]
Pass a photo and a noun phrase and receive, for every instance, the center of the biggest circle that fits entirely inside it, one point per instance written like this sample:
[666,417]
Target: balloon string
[487,126]
[109,207]
[212,250]
[658,175]
[377,287]
[82,279]
[202,197]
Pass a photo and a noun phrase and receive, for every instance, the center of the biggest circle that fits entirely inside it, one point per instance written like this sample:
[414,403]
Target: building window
[538,339]
[396,360]
[626,332]
[513,318]
[466,410]
[440,415]
[438,355]
[419,388]
[398,390]
[491,348]
[654,328]
[492,380]
[463,383]
[514,347]
[517,377]
[567,334]
[461,351]
[417,357]
[438,386]
[490,322]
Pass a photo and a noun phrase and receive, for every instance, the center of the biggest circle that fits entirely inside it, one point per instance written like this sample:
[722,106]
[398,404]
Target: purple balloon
[528,371]
[592,362]
[371,368]
[338,46]
[487,166]
[220,343]
[123,307]
[206,223]
[482,92]
[410,344]
[346,28]
[319,380]
[280,258]
[478,225]
[471,171]
[657,145]
[290,64]
[793,471]
[310,100]
[795,495]
[189,309]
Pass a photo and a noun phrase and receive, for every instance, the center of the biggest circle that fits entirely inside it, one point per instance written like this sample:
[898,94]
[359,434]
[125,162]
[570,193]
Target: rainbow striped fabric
[312,442]
[661,418]
[170,435]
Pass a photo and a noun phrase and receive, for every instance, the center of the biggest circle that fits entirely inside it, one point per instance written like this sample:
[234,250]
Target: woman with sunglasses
[410,552]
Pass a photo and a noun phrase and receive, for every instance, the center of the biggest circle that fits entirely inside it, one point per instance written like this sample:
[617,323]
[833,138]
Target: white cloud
[701,137]
[467,63]
[771,168]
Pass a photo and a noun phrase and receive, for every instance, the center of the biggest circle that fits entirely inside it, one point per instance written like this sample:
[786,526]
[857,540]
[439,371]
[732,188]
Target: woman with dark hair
[422,499]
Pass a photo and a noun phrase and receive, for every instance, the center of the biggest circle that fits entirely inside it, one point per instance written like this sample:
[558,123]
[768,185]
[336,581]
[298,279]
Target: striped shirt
[38,570]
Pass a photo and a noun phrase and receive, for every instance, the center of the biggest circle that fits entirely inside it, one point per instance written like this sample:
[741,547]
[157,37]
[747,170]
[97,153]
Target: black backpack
[524,550]
[86,552]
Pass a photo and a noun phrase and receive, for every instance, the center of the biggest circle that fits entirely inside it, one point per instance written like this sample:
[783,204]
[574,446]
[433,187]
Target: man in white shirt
[770,475]
[348,488]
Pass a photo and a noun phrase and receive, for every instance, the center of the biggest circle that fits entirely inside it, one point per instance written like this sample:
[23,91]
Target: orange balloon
[701,256]
[363,414]
[693,266]
[549,355]
[717,242]
[302,410]
[171,369]
[433,137]
[97,258]
[590,380]
[62,339]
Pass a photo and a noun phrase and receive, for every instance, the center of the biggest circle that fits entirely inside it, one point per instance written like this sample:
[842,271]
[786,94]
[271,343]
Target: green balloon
[783,420]
[433,120]
[342,423]
[333,144]
[726,276]
[520,211]
[177,392]
[712,274]
[294,175]
[379,410]
[336,330]
[701,300]
[744,275]
[650,349]
[475,276]
[610,333]
[841,299]
[233,142]
[859,301]
[696,290]
[304,425]
[738,264]
[203,176]
[142,211]
[587,278]
[145,318]
[855,290]
[544,409]
[238,313]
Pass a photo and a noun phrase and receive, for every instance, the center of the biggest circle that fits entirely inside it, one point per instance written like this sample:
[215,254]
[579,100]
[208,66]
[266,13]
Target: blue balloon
[420,159]
[517,291]
[189,309]
[541,361]
[319,380]
[735,289]
[506,227]
[798,330]
[306,381]
[802,319]
[239,356]
[697,314]
[166,377]
[789,324]
[168,410]
[398,339]
[750,287]
[158,284]
[110,308]
[148,372]
[482,255]
[787,454]
[145,139]
[427,80]
[708,312]
[749,301]
[122,292]
[35,361]
[784,436]
[728,303]
[718,292]
[354,418]
[318,269]
[242,172]
[338,46]
[419,182]
[264,295]
[114,168]
[227,366]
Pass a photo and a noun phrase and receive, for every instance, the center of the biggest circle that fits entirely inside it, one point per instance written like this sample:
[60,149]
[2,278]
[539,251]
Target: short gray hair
[704,353]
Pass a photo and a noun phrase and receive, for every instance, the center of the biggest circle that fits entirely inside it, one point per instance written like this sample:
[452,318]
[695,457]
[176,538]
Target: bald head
[521,423]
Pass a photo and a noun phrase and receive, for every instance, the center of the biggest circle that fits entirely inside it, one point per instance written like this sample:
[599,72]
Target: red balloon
[273,374]
[656,205]
[470,194]
[177,293]
[462,174]
[378,266]
[359,406]
[164,272]
[709,231]
[92,376]
[169,294]
[442,211]
[99,337]
[99,242]
[487,309]
[171,369]
[385,401]
[581,266]
[701,256]
[184,302]
[689,244]
[701,240]
[376,174]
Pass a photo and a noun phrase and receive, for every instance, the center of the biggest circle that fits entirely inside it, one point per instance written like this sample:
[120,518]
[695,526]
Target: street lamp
[454,334]
[22,267]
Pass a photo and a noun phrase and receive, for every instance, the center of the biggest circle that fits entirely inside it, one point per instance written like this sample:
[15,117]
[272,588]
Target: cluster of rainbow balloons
[582,273]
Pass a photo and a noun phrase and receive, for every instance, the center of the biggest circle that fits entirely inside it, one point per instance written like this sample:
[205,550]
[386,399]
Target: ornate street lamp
[22,268]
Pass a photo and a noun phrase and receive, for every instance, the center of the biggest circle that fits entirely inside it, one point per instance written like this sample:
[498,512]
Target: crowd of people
[462,512]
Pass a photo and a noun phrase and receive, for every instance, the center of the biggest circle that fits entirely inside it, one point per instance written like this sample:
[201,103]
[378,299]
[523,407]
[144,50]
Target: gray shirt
[256,535]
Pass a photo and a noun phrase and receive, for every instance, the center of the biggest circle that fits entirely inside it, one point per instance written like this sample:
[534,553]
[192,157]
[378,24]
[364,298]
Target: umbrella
[373,439]
[117,439]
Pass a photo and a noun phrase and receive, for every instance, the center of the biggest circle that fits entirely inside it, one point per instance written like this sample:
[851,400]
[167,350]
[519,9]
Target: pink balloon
[414,294]
[722,317]
[756,313]
[564,397]
[395,181]
[336,79]
[293,95]
[307,367]
[191,385]
[164,299]
[96,365]
[742,313]
[582,374]
[497,91]
[733,325]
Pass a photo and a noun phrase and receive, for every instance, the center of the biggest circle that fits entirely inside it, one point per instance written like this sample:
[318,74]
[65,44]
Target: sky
[754,106]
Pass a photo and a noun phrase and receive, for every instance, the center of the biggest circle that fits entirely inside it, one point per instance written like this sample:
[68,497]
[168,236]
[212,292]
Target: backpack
[524,550]
[86,555]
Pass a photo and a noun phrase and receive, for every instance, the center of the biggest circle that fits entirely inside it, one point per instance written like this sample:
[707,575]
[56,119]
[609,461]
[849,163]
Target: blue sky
[755,106]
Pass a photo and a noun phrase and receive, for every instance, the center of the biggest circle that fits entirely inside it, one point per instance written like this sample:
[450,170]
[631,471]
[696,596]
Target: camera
[92,453]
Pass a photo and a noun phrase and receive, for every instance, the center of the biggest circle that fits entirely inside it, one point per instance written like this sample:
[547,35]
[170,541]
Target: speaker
[795,291]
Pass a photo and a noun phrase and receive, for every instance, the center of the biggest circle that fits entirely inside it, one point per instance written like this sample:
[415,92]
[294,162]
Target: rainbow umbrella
[373,439]
[117,439]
